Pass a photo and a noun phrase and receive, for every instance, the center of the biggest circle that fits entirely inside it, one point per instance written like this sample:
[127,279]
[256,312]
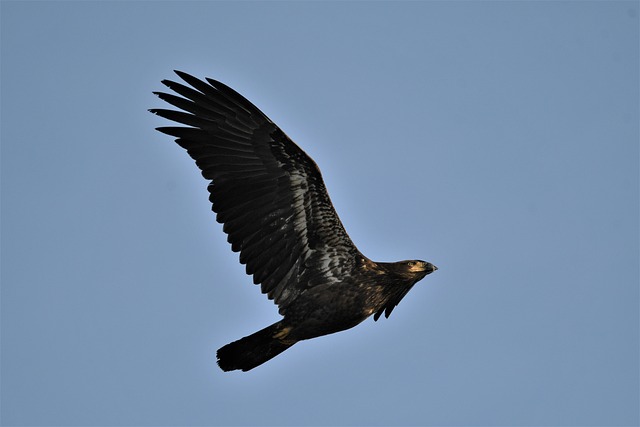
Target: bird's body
[271,198]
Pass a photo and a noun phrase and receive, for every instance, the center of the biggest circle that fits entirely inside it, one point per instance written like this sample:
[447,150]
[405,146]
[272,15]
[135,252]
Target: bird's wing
[267,192]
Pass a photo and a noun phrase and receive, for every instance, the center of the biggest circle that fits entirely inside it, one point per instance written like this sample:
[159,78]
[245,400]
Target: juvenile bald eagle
[270,196]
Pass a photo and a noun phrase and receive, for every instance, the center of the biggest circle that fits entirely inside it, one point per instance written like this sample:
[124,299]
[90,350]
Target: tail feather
[253,350]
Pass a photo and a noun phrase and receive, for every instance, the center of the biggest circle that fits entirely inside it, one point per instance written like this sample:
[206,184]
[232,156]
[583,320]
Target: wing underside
[267,192]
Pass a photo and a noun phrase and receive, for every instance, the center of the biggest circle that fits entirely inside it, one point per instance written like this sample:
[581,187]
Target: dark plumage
[270,196]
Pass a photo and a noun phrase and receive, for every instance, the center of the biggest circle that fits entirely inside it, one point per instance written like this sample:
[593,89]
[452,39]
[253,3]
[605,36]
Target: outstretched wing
[267,192]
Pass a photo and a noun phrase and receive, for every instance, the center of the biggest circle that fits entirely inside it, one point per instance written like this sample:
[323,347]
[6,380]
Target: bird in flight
[271,199]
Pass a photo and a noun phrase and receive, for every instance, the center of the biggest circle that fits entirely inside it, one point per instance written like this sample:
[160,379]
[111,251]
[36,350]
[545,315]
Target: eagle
[271,199]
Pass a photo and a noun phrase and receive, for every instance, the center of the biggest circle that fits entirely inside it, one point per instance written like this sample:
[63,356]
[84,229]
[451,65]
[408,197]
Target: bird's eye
[411,263]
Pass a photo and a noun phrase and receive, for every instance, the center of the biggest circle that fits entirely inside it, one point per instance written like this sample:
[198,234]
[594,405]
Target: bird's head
[407,274]
[413,270]
[416,266]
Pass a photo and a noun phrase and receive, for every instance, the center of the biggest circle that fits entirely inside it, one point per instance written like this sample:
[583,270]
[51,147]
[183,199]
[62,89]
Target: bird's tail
[255,349]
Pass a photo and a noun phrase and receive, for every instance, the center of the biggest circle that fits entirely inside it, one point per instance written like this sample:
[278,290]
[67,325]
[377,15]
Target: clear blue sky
[498,140]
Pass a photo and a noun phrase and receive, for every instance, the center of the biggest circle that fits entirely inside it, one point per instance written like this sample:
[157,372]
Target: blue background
[498,140]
